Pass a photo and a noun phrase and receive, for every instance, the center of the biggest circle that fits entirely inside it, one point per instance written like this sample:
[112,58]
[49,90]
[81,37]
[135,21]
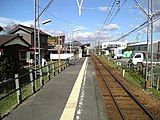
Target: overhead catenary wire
[143,25]
[111,19]
[106,18]
[44,9]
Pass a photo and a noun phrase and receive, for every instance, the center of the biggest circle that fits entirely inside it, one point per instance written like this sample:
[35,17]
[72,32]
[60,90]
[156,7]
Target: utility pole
[36,34]
[59,51]
[151,32]
[146,77]
[37,46]
[149,16]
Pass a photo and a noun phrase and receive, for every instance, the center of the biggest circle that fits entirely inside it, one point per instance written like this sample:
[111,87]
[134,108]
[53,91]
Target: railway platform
[72,94]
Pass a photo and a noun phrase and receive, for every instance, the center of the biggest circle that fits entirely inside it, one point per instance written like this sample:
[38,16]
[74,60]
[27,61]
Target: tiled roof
[6,38]
[25,28]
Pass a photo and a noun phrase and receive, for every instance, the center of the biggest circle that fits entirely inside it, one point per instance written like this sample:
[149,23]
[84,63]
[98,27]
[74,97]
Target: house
[142,46]
[28,35]
[14,47]
[54,44]
[114,48]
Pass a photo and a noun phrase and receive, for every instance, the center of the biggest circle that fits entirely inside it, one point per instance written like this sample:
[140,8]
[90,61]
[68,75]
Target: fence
[142,70]
[14,91]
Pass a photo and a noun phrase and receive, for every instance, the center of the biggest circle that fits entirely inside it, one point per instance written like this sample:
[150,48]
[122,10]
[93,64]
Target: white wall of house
[62,56]
[120,45]
[115,45]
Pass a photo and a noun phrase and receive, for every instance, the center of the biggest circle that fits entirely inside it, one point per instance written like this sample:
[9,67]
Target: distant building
[14,47]
[54,44]
[142,46]
[113,48]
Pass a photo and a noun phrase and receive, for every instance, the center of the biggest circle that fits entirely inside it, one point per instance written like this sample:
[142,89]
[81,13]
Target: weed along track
[119,102]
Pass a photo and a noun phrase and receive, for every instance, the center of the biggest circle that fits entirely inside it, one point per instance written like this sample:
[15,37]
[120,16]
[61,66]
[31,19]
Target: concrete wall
[62,56]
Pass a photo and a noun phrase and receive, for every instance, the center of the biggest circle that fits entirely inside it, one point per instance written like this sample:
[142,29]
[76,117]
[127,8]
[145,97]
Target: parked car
[140,59]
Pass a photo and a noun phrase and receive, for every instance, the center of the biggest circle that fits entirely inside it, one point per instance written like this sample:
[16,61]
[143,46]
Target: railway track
[119,102]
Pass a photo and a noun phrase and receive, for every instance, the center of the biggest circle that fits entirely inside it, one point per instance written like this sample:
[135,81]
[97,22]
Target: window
[138,56]
[22,55]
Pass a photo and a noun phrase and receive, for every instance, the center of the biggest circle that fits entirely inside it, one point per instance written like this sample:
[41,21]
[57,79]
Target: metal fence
[14,91]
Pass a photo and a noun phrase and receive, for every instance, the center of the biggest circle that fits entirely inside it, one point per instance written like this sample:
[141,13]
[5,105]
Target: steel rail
[116,104]
[135,99]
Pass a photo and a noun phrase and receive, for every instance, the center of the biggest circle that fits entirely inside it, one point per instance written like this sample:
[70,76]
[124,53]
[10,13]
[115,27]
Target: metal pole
[39,15]
[59,53]
[35,36]
[38,39]
[151,30]
[70,42]
[147,49]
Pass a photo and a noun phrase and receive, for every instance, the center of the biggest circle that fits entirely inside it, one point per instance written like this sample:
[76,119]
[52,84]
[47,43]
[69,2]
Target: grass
[7,104]
[133,77]
[10,102]
[26,91]
[154,92]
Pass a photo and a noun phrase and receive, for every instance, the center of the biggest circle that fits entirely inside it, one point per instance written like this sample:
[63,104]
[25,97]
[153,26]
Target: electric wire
[111,19]
[106,18]
[143,25]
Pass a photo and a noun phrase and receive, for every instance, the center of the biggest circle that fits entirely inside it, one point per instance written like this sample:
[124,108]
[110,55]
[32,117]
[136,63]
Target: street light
[46,21]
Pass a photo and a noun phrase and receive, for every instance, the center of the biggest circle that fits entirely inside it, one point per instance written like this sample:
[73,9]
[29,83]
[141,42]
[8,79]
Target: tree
[8,68]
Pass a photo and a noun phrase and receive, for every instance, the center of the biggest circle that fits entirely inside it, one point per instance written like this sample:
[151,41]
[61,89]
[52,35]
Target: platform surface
[71,95]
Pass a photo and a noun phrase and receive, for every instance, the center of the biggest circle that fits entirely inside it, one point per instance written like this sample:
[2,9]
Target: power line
[44,9]
[143,25]
[112,18]
[106,18]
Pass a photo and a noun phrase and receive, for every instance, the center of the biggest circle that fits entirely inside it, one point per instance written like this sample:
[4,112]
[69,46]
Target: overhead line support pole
[151,32]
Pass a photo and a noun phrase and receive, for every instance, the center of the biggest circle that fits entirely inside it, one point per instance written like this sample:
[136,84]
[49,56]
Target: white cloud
[111,27]
[104,9]
[9,21]
[78,34]
[78,28]
[89,37]
[53,32]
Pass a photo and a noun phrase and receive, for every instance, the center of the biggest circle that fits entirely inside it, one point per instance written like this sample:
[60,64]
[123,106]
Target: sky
[89,27]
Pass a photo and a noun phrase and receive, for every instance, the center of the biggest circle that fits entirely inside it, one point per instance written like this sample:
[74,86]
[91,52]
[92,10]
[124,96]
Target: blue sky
[65,18]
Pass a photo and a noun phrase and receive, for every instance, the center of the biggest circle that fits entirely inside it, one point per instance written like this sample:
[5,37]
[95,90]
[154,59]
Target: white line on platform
[70,108]
[81,97]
